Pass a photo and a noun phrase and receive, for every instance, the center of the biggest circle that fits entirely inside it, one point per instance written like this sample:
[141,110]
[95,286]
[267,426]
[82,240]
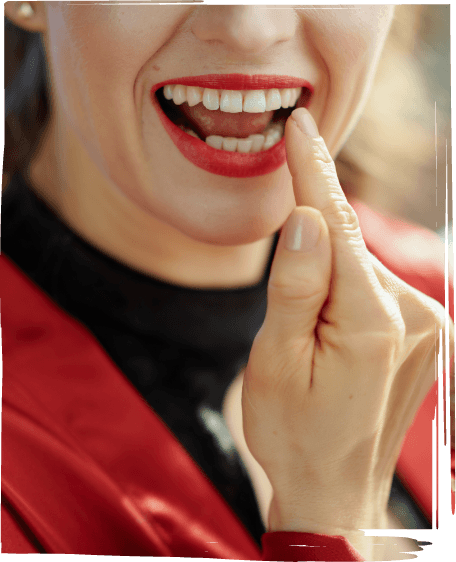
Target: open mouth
[230,124]
[245,121]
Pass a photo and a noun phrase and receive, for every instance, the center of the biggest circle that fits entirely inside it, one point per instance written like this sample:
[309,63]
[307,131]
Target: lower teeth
[254,143]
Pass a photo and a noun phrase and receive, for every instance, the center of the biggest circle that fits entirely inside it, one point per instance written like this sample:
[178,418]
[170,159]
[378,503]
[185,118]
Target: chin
[234,229]
[220,212]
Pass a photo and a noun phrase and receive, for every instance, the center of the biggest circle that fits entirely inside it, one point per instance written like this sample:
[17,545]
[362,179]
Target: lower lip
[222,162]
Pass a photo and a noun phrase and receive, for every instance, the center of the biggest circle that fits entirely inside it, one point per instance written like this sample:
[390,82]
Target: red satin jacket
[76,476]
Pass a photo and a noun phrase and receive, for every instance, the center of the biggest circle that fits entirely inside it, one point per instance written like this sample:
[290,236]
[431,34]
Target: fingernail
[305,122]
[301,233]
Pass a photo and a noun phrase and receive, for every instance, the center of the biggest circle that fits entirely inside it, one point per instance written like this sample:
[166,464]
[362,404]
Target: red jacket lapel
[73,421]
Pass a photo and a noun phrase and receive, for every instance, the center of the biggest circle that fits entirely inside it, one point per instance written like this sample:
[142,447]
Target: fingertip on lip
[305,122]
[298,113]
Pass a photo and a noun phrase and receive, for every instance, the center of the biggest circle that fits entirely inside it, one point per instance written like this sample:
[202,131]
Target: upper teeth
[233,101]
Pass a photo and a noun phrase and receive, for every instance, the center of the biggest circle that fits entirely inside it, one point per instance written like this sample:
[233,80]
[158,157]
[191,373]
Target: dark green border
[443,538]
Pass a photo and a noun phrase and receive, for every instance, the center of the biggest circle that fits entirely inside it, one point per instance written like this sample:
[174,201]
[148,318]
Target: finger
[299,278]
[357,301]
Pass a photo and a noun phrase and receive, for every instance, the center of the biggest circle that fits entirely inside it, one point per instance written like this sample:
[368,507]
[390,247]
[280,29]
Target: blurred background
[396,158]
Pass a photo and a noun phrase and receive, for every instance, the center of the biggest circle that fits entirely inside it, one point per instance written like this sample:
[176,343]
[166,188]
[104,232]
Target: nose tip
[244,29]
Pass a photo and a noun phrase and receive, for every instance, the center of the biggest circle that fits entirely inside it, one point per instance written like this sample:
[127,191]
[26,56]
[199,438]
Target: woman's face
[106,62]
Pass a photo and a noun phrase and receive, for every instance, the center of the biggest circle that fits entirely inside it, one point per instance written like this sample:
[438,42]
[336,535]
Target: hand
[344,358]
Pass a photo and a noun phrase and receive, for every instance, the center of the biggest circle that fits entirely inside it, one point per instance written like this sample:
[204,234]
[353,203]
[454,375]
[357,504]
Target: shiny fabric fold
[93,475]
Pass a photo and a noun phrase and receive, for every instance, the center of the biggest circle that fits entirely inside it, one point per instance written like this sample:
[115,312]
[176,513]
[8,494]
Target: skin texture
[127,189]
[340,366]
[344,339]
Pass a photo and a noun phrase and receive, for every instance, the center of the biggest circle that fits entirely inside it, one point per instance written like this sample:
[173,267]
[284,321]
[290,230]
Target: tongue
[207,122]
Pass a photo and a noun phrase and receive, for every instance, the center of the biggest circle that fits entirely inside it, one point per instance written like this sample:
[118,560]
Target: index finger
[357,294]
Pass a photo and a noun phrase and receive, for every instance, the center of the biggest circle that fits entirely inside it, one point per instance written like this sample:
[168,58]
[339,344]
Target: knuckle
[392,323]
[427,325]
[395,328]
[341,216]
[426,312]
[444,324]
[413,313]
[386,346]
[391,313]
[321,154]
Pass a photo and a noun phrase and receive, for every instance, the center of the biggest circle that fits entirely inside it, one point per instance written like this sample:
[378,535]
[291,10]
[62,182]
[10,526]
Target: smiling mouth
[245,121]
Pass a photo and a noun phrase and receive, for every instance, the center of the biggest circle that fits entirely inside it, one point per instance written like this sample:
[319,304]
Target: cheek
[111,43]
[349,38]
[97,52]
[346,42]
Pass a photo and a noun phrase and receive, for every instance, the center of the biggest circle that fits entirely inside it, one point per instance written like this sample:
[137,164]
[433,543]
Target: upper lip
[238,82]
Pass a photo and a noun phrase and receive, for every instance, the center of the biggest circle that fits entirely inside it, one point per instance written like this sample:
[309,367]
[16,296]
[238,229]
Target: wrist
[355,538]
[326,519]
[370,547]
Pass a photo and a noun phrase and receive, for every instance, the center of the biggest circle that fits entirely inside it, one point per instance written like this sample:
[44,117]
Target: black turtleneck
[180,347]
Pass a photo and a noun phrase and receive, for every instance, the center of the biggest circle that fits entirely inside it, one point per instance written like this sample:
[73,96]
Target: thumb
[300,277]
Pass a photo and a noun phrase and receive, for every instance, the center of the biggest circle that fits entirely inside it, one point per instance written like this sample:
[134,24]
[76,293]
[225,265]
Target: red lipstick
[221,162]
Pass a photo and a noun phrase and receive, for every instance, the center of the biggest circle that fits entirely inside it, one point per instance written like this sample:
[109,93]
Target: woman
[151,215]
